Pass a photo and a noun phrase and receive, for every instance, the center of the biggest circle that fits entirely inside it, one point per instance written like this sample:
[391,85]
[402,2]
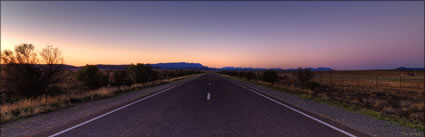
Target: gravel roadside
[47,123]
[362,123]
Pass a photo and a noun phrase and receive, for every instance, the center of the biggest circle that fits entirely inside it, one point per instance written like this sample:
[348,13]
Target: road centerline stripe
[208,96]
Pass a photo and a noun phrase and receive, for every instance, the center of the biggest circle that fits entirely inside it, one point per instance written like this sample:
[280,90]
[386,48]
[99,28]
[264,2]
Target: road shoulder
[47,123]
[362,123]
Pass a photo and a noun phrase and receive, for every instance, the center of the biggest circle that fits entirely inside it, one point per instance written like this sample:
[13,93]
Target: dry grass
[403,105]
[376,79]
[379,91]
[367,78]
[42,104]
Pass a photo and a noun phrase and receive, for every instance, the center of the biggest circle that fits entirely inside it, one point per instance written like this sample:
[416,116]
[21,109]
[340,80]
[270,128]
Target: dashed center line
[208,96]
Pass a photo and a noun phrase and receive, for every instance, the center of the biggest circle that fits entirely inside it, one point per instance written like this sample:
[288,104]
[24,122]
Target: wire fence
[394,79]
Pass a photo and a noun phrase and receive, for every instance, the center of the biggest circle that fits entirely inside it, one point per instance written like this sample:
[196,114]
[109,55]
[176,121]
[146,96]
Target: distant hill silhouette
[112,67]
[192,66]
[274,69]
[180,65]
[249,68]
[409,69]
[70,67]
[198,66]
[314,69]
[174,65]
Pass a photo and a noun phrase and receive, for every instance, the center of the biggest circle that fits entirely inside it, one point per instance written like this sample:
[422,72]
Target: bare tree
[54,64]
[270,76]
[24,75]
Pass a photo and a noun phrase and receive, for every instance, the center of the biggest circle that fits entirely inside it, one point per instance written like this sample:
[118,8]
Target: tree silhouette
[270,76]
[119,78]
[25,75]
[304,75]
[92,77]
[141,73]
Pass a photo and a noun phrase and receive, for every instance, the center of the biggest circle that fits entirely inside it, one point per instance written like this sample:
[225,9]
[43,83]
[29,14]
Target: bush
[25,74]
[92,77]
[270,76]
[285,80]
[141,73]
[230,73]
[313,85]
[241,74]
[119,78]
[249,75]
[304,75]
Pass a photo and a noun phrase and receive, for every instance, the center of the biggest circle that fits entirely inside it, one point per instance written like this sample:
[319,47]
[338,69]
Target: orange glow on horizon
[286,35]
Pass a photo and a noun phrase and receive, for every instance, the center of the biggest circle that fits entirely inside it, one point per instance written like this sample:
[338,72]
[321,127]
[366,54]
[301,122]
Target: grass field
[32,106]
[390,93]
[377,79]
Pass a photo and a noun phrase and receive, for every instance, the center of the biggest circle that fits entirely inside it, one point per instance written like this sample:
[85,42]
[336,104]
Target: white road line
[302,113]
[209,84]
[208,96]
[137,101]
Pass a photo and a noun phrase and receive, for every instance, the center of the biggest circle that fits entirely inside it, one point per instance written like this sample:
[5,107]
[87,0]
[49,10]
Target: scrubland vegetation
[34,83]
[404,104]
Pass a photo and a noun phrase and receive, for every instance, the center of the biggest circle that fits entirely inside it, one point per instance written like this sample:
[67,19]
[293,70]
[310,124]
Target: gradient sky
[341,35]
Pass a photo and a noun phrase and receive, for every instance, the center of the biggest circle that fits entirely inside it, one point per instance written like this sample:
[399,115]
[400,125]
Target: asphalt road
[207,106]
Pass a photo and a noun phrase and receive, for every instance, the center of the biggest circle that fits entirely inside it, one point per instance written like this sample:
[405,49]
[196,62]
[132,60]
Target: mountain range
[174,65]
[409,69]
[193,66]
[198,66]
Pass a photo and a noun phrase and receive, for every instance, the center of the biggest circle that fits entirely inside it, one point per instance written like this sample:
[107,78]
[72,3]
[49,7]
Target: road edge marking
[293,109]
[117,109]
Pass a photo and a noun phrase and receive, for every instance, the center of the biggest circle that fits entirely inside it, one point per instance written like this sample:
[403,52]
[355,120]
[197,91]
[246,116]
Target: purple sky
[341,35]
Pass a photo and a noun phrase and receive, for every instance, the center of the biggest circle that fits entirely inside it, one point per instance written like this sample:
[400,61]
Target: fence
[393,79]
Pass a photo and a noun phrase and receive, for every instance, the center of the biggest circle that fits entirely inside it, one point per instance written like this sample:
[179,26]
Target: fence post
[376,80]
[342,78]
[358,79]
[400,80]
[320,76]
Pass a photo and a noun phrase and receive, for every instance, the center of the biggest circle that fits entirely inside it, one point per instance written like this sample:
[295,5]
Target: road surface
[207,106]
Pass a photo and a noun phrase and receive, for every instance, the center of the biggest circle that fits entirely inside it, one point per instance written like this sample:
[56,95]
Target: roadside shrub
[120,78]
[92,77]
[27,75]
[249,75]
[304,75]
[270,76]
[54,90]
[313,85]
[172,74]
[241,74]
[141,73]
[285,80]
